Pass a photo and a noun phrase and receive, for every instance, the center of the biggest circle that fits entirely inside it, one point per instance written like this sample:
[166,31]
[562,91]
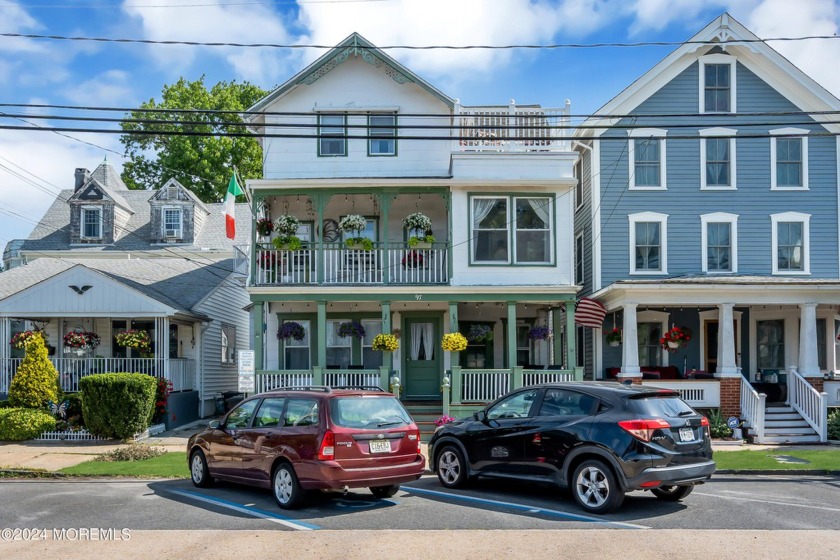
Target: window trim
[647,134]
[719,218]
[718,59]
[788,133]
[342,136]
[164,229]
[511,229]
[643,217]
[578,171]
[580,275]
[707,133]
[371,135]
[83,211]
[795,217]
[228,356]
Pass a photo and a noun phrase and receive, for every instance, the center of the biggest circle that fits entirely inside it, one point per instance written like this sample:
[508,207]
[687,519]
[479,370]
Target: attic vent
[172,193]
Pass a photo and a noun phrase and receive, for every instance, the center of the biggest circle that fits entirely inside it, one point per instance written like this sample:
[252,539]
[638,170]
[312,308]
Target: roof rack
[362,387]
[321,388]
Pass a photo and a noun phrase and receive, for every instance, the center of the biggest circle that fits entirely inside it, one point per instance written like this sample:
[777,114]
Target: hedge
[18,424]
[118,405]
[36,380]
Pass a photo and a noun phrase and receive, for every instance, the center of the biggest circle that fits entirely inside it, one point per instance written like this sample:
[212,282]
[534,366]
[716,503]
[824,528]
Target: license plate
[686,434]
[380,446]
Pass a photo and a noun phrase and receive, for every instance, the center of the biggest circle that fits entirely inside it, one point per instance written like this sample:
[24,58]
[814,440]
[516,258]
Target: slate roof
[178,283]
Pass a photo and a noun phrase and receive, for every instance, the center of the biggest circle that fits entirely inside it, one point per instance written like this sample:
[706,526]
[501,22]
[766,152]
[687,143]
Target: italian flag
[233,191]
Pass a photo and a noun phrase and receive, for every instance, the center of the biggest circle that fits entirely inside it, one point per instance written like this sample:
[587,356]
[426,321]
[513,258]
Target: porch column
[384,208]
[557,341]
[164,338]
[320,258]
[511,334]
[808,358]
[387,357]
[571,336]
[726,342]
[322,334]
[630,346]
[454,357]
[258,334]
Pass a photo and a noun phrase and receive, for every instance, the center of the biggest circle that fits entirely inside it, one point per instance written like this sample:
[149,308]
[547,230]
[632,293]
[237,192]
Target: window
[493,229]
[648,243]
[332,135]
[790,238]
[717,84]
[523,345]
[579,185]
[771,344]
[339,350]
[647,159]
[91,223]
[240,417]
[371,359]
[789,160]
[371,231]
[296,352]
[228,344]
[383,132]
[579,259]
[719,239]
[822,359]
[561,402]
[301,412]
[269,413]
[514,406]
[650,351]
[717,157]
[172,223]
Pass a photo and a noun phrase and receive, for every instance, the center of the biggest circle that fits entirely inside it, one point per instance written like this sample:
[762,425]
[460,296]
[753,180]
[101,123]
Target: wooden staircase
[782,424]
[425,413]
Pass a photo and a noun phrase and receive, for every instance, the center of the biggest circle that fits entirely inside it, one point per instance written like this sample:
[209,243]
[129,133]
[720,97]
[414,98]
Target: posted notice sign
[247,376]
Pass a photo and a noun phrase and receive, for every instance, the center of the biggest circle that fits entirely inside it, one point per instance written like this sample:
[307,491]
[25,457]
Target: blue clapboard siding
[684,202]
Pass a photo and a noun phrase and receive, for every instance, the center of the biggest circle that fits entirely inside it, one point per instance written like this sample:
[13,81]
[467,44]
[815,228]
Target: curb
[796,472]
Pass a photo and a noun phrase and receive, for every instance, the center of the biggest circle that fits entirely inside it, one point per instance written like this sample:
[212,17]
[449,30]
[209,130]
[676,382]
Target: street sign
[247,375]
[733,422]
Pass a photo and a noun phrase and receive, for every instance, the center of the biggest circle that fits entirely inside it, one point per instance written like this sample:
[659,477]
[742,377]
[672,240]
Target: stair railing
[752,409]
[809,403]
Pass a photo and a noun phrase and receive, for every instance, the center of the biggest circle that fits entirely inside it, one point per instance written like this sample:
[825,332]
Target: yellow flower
[385,343]
[453,342]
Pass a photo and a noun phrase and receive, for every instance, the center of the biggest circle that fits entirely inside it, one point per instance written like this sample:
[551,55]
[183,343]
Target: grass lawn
[169,465]
[748,460]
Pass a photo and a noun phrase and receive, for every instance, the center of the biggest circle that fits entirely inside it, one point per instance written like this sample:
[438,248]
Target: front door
[422,355]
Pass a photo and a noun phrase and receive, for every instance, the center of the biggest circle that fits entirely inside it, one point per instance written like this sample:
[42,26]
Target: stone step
[791,438]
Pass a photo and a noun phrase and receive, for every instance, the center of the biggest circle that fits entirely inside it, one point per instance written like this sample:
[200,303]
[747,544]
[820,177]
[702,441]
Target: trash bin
[220,404]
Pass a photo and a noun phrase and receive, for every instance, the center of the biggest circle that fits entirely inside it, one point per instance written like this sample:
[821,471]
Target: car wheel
[384,491]
[199,473]
[595,489]
[671,493]
[451,468]
[285,486]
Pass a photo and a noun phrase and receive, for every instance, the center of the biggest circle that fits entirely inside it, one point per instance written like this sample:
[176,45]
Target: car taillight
[419,444]
[327,450]
[643,429]
[704,421]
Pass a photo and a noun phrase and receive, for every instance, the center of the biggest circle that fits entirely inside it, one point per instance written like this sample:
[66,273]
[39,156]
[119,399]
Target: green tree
[201,163]
[36,380]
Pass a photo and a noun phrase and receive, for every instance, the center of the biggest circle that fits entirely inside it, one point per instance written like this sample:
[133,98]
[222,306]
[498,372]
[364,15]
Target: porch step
[791,438]
[424,415]
[782,424]
[793,416]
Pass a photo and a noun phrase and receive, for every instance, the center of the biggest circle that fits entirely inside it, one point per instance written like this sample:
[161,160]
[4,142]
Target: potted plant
[21,339]
[291,329]
[480,333]
[539,333]
[385,343]
[286,227]
[675,338]
[81,340]
[354,225]
[351,328]
[614,336]
[264,227]
[134,338]
[453,342]
[420,226]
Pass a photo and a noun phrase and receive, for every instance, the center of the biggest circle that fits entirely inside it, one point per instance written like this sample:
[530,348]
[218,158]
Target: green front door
[422,358]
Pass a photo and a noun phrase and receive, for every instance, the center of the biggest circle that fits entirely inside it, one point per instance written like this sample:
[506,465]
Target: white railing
[698,394]
[511,128]
[418,266]
[352,378]
[286,267]
[271,380]
[753,405]
[832,389]
[181,374]
[536,377]
[808,402]
[484,385]
[352,266]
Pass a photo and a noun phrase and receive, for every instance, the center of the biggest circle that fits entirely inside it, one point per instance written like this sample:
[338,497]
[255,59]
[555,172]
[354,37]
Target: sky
[35,165]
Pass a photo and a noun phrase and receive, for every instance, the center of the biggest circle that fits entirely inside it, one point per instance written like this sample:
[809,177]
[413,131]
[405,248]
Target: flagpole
[244,190]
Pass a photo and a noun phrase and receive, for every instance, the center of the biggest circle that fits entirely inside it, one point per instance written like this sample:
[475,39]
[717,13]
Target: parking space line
[276,518]
[527,508]
[763,501]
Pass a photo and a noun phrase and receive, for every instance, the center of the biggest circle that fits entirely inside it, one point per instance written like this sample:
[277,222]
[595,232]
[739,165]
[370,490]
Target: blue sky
[123,75]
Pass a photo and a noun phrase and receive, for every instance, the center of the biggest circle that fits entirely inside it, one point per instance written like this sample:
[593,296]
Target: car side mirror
[480,416]
[214,425]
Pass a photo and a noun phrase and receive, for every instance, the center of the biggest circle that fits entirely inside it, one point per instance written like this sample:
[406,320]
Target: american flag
[590,313]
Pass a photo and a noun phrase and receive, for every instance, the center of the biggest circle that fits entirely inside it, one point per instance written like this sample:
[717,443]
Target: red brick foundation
[817,383]
[730,396]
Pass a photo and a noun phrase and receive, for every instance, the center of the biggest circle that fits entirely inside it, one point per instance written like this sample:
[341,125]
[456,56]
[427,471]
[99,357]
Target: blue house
[707,217]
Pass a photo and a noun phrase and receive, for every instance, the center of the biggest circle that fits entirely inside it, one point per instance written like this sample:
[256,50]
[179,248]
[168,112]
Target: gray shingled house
[105,259]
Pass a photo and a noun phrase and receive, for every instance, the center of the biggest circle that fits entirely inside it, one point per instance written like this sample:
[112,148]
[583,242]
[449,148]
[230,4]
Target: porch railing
[699,394]
[809,403]
[512,128]
[386,263]
[484,385]
[352,378]
[535,377]
[752,409]
[270,380]
[181,374]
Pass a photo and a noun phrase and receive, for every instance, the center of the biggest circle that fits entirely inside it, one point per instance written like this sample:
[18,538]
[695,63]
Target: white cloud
[112,87]
[656,15]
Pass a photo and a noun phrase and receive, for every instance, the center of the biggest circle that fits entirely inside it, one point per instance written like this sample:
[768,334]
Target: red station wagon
[311,438]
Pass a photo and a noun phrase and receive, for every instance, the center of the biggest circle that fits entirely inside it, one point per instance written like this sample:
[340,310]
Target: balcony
[512,128]
[334,263]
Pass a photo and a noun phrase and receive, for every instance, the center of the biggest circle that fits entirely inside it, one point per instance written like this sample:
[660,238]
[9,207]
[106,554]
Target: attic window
[172,223]
[172,193]
[717,84]
[91,222]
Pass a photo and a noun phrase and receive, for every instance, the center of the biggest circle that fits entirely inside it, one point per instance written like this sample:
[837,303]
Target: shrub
[834,425]
[17,424]
[134,452]
[36,380]
[4,404]
[118,404]
[717,424]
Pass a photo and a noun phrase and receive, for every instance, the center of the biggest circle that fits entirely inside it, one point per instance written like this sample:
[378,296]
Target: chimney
[82,177]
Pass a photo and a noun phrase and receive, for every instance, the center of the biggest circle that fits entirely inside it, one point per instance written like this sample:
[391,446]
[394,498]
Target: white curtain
[428,343]
[416,338]
[482,207]
[422,333]
[541,207]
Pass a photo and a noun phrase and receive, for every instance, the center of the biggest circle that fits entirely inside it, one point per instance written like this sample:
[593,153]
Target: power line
[299,46]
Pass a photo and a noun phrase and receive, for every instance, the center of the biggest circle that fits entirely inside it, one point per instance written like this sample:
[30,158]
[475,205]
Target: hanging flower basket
[291,329]
[351,328]
[265,227]
[352,223]
[675,338]
[453,342]
[286,224]
[417,222]
[385,343]
[539,333]
[21,339]
[614,337]
[134,338]
[480,333]
[82,340]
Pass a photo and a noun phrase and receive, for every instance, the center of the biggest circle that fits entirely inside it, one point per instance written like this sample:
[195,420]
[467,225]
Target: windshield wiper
[686,413]
[381,424]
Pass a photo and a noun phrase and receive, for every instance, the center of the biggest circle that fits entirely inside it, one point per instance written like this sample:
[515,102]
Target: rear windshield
[661,407]
[368,412]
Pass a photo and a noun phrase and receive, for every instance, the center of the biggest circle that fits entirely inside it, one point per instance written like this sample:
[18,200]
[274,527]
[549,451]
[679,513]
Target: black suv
[599,439]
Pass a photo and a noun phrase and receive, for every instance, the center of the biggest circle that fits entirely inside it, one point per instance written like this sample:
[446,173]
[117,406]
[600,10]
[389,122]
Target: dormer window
[172,223]
[717,84]
[91,222]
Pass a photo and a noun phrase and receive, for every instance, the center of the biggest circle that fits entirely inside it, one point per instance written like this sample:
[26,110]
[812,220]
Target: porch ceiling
[537,294]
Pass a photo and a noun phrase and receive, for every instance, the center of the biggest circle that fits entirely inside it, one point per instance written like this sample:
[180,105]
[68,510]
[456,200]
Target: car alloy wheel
[451,469]
[671,493]
[287,490]
[595,488]
[199,473]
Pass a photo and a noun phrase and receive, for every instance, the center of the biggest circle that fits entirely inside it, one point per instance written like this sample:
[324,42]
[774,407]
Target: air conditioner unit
[173,233]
